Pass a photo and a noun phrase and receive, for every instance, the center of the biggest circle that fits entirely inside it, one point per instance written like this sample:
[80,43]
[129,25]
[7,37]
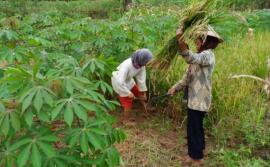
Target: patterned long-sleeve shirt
[198,79]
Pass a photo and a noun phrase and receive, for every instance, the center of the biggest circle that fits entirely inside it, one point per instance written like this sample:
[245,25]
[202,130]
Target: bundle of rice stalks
[195,18]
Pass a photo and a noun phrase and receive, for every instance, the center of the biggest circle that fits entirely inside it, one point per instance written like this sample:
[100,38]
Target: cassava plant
[58,116]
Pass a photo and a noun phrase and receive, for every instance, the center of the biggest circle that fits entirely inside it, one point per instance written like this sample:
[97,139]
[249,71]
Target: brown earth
[153,141]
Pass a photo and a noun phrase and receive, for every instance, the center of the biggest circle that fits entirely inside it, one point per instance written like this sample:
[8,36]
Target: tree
[127,4]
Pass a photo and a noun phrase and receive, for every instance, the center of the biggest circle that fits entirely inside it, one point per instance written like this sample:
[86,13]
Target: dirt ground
[154,141]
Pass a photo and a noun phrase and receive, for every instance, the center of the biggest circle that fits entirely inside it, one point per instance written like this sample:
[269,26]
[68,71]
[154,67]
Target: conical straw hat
[211,32]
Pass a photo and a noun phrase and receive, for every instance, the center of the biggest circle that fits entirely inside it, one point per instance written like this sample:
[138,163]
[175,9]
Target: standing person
[124,84]
[198,83]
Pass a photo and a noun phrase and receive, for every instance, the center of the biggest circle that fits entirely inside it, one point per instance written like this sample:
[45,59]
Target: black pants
[195,134]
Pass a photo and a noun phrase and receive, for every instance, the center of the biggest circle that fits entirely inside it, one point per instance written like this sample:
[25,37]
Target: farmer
[124,84]
[198,83]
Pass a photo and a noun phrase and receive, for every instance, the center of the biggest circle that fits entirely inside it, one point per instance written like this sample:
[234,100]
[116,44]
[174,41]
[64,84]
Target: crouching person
[124,84]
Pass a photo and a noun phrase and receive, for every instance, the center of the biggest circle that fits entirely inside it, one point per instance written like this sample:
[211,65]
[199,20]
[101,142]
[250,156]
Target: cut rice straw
[195,18]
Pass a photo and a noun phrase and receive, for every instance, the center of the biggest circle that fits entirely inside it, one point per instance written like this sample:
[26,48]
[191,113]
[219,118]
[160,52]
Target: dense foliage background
[56,59]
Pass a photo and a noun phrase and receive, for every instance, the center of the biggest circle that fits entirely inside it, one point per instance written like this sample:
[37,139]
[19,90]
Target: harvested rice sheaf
[195,18]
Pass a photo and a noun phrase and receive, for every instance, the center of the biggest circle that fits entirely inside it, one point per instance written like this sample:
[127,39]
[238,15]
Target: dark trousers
[195,134]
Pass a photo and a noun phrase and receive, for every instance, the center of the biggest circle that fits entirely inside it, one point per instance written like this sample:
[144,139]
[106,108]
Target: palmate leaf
[67,66]
[112,157]
[16,78]
[60,161]
[11,55]
[9,119]
[47,149]
[88,137]
[77,105]
[117,135]
[36,96]
[36,41]
[8,35]
[34,149]
[7,156]
[94,65]
[72,83]
[104,87]
[93,94]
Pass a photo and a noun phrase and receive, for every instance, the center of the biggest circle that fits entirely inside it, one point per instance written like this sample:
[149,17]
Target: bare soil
[153,141]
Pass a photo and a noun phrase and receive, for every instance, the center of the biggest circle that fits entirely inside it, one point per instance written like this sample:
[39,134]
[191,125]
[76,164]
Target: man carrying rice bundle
[198,82]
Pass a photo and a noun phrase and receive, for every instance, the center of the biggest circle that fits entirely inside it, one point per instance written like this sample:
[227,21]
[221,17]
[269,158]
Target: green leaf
[57,110]
[102,86]
[26,93]
[88,105]
[94,141]
[36,157]
[44,116]
[92,67]
[20,143]
[97,123]
[27,101]
[73,140]
[15,121]
[82,80]
[69,87]
[2,107]
[5,125]
[122,135]
[47,149]
[80,112]
[109,88]
[98,131]
[59,163]
[84,143]
[68,115]
[28,117]
[38,101]
[113,157]
[47,98]
[24,156]
[48,138]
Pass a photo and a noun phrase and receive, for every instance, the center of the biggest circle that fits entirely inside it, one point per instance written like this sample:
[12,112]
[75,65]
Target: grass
[236,124]
[238,105]
[78,8]
[155,142]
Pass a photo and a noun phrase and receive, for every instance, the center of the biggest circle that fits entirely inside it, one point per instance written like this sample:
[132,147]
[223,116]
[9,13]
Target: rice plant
[195,18]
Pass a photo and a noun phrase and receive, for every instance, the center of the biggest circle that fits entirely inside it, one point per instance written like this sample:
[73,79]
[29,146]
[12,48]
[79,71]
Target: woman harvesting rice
[124,84]
[197,81]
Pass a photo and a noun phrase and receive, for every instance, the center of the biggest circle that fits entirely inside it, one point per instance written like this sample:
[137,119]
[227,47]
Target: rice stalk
[195,18]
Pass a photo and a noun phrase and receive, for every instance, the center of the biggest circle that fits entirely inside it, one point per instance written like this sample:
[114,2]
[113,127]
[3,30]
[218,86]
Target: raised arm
[204,58]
